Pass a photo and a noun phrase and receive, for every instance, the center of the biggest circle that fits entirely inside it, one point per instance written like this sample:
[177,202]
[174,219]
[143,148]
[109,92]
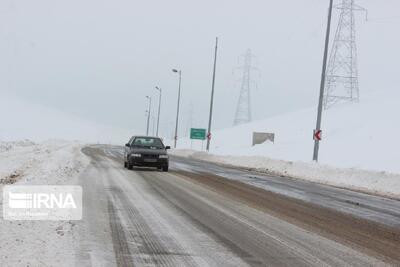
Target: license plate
[150,160]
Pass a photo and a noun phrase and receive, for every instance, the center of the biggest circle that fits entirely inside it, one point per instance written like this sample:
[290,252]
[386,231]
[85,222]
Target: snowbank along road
[200,214]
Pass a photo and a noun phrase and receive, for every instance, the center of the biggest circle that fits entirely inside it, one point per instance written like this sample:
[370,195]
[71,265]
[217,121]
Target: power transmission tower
[243,109]
[342,73]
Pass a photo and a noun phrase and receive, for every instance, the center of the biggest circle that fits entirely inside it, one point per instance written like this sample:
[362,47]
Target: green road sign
[199,134]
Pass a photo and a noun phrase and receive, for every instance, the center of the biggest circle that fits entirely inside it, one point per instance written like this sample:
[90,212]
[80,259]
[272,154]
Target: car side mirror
[127,145]
[167,147]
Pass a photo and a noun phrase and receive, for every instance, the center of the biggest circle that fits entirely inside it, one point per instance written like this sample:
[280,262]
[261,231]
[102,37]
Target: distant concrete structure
[259,138]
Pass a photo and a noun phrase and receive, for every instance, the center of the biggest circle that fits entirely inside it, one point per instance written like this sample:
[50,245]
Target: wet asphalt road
[200,214]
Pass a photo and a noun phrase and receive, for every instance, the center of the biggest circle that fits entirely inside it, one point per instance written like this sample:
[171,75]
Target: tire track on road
[149,248]
[121,247]
[366,236]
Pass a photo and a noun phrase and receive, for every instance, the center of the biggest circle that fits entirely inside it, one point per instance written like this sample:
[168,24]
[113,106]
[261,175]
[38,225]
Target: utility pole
[148,115]
[212,96]
[177,107]
[159,108]
[323,76]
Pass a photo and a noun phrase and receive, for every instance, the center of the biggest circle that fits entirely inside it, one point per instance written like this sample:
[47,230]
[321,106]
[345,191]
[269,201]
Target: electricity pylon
[243,110]
[342,73]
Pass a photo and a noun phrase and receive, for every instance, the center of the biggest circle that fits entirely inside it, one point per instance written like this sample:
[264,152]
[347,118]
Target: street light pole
[322,86]
[177,108]
[153,122]
[148,115]
[159,108]
[212,96]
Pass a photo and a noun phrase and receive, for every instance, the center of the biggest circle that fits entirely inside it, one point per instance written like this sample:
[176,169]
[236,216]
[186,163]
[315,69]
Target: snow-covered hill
[362,136]
[21,119]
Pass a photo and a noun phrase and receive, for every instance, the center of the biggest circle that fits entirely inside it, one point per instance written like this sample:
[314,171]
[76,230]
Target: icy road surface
[203,215]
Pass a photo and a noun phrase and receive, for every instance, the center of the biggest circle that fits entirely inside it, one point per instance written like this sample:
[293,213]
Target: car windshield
[148,142]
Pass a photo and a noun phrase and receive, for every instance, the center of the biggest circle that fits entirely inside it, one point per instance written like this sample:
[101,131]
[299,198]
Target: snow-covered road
[372,182]
[183,218]
[374,208]
[198,214]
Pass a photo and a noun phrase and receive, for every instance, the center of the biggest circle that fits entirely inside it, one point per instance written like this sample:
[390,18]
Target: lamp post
[148,115]
[159,108]
[177,108]
[153,125]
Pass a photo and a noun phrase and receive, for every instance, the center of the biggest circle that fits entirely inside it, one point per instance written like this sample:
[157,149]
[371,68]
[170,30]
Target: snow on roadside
[379,183]
[39,243]
[355,135]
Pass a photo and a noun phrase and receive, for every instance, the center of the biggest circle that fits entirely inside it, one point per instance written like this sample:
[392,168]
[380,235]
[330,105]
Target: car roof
[141,136]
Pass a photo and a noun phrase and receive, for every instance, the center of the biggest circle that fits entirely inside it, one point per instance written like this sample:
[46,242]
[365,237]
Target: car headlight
[163,156]
[136,155]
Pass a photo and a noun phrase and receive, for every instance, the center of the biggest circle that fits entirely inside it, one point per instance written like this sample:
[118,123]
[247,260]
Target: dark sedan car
[146,151]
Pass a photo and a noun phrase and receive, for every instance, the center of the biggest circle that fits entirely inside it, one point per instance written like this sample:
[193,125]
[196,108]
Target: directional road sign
[199,134]
[318,135]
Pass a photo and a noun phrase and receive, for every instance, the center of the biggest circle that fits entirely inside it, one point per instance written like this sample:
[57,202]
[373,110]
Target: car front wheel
[129,165]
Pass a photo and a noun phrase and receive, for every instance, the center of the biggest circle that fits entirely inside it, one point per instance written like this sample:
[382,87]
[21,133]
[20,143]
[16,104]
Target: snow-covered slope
[361,135]
[20,119]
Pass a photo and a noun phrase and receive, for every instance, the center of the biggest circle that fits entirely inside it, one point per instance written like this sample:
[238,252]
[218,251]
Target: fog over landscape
[310,178]
[97,60]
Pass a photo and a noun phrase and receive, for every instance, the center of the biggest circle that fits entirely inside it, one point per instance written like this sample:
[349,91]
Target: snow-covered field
[39,243]
[360,147]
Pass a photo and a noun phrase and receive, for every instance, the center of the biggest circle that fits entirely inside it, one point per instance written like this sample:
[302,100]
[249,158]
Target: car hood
[148,151]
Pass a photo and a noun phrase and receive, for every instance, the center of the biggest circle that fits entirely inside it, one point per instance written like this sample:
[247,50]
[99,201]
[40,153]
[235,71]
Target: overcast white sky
[98,59]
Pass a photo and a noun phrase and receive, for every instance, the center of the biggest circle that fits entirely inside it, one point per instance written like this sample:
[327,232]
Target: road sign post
[212,95]
[323,77]
[197,134]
